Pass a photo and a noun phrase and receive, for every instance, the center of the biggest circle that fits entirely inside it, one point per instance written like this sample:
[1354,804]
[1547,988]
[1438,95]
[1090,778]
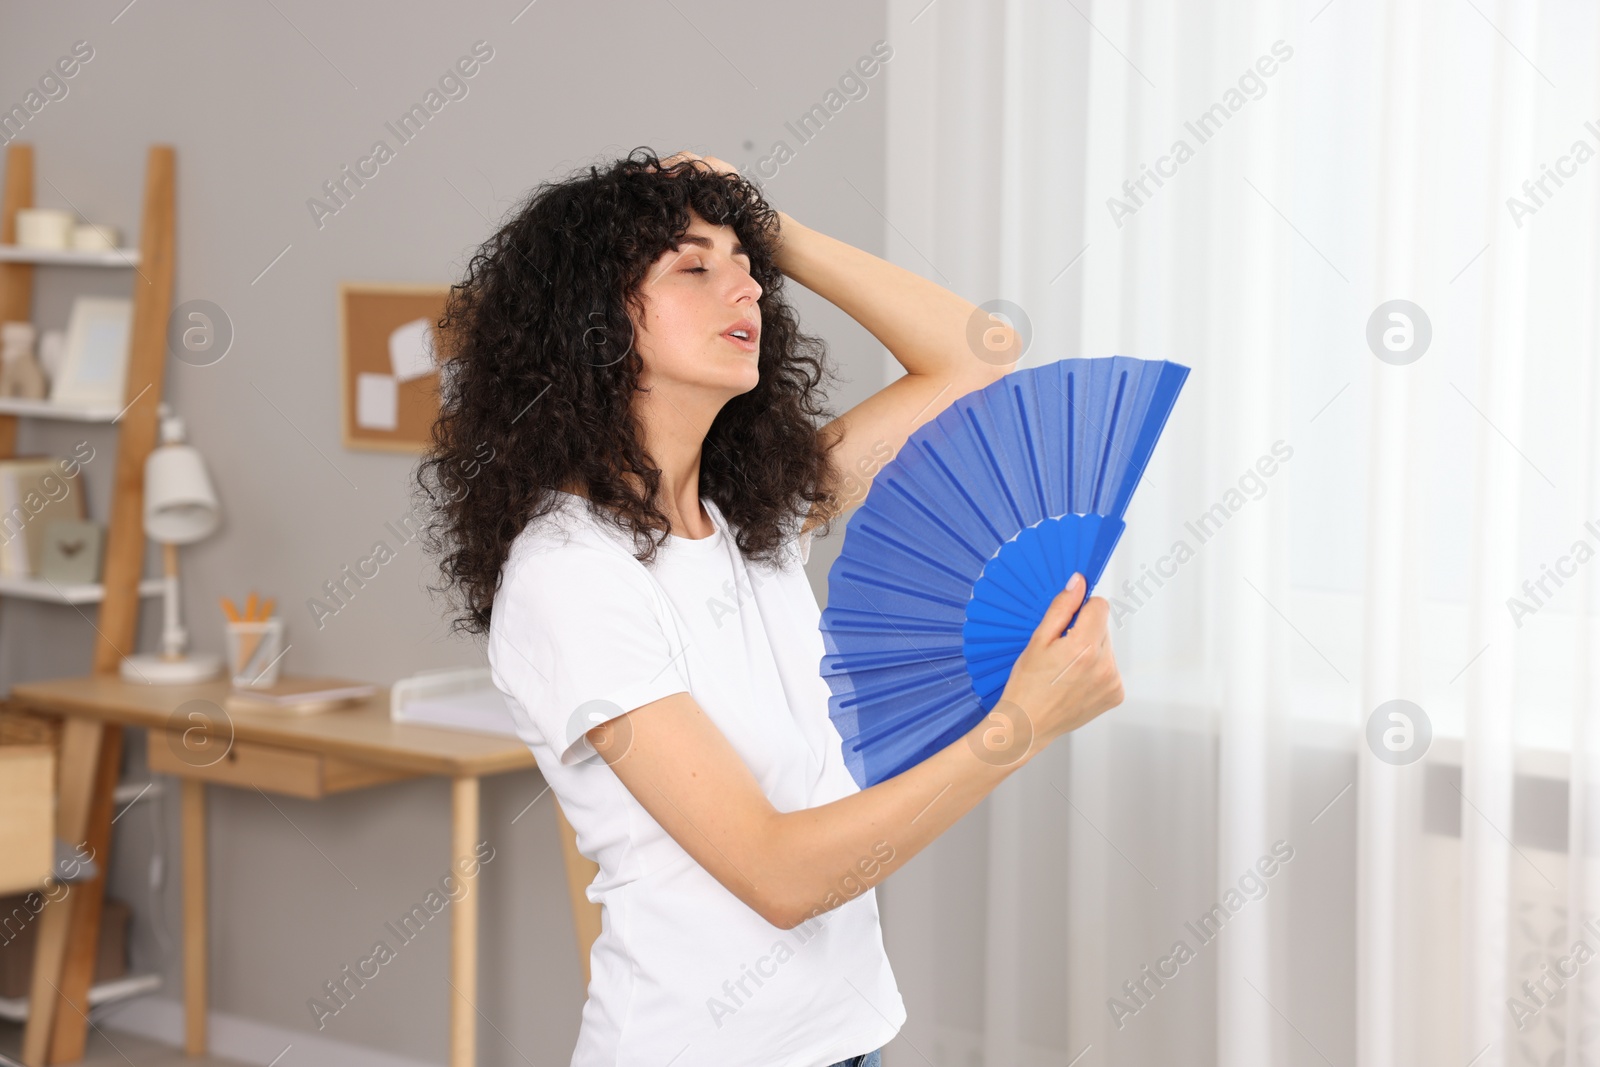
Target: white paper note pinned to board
[377,402]
[411,352]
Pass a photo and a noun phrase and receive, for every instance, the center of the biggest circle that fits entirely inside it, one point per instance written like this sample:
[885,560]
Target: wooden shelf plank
[137,429]
[70,257]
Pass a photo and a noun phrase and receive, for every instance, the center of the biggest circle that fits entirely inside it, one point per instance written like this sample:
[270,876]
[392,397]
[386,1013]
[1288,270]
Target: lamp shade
[180,507]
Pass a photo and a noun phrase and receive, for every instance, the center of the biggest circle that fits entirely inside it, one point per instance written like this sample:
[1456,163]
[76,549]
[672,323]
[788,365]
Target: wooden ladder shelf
[91,751]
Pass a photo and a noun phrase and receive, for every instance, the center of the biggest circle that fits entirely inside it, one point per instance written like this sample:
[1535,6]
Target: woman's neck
[701,524]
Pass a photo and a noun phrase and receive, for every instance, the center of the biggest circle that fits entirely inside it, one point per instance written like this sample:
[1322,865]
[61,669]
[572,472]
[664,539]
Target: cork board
[388,340]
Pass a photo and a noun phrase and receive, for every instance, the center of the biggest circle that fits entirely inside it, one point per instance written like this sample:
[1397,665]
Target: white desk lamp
[180,508]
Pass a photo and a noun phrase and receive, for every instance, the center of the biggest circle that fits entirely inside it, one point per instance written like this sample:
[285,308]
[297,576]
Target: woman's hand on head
[717,165]
[781,224]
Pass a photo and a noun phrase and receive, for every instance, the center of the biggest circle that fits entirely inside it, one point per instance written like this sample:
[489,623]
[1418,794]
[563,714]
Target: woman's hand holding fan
[1060,681]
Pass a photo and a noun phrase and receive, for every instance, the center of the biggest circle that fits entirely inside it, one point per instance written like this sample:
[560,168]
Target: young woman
[626,477]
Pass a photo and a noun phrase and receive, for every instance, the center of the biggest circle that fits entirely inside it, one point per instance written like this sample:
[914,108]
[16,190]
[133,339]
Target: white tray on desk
[455,698]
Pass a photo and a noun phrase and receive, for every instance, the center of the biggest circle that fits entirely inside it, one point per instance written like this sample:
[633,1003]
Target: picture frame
[94,360]
[389,374]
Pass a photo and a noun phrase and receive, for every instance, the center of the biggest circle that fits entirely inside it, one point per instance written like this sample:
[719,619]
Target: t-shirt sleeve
[579,637]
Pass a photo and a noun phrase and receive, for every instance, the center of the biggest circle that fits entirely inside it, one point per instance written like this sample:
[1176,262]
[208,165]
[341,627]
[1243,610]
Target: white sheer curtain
[1332,523]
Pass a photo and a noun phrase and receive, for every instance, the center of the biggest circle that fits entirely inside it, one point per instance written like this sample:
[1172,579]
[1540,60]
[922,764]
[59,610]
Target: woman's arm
[924,325]
[786,866]
[791,866]
[937,337]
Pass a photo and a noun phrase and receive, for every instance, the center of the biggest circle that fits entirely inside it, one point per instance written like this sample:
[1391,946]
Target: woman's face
[695,298]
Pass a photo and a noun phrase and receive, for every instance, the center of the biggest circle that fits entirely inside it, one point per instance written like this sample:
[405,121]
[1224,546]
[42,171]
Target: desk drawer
[270,768]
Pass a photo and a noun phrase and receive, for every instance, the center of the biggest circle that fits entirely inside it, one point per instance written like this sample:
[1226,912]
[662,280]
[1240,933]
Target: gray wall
[264,103]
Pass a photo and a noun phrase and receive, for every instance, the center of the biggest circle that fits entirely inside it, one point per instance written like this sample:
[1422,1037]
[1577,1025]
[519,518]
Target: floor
[115,1048]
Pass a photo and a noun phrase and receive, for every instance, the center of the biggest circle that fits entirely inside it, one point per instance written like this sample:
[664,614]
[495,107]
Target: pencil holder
[255,652]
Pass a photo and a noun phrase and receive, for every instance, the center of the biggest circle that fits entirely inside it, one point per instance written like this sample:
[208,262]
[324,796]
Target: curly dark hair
[539,369]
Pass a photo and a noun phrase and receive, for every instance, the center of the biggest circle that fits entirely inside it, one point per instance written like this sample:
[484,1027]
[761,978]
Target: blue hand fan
[966,537]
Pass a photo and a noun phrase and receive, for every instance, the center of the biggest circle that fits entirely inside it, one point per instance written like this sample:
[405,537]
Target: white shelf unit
[70,257]
[50,409]
[73,593]
[16,1008]
[40,588]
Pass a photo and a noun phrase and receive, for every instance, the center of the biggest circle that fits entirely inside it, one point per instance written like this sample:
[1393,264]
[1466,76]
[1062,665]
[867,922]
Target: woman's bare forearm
[826,856]
[923,324]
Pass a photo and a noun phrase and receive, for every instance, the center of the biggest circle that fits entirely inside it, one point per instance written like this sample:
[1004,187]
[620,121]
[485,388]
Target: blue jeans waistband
[870,1059]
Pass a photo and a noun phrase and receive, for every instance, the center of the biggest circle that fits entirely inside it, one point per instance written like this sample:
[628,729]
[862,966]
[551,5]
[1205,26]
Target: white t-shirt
[683,971]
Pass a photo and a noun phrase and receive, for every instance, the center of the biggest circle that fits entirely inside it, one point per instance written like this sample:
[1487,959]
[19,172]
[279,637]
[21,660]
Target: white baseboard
[247,1040]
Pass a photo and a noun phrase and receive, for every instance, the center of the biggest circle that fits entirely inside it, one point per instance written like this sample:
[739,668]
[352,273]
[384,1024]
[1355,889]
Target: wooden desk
[301,755]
